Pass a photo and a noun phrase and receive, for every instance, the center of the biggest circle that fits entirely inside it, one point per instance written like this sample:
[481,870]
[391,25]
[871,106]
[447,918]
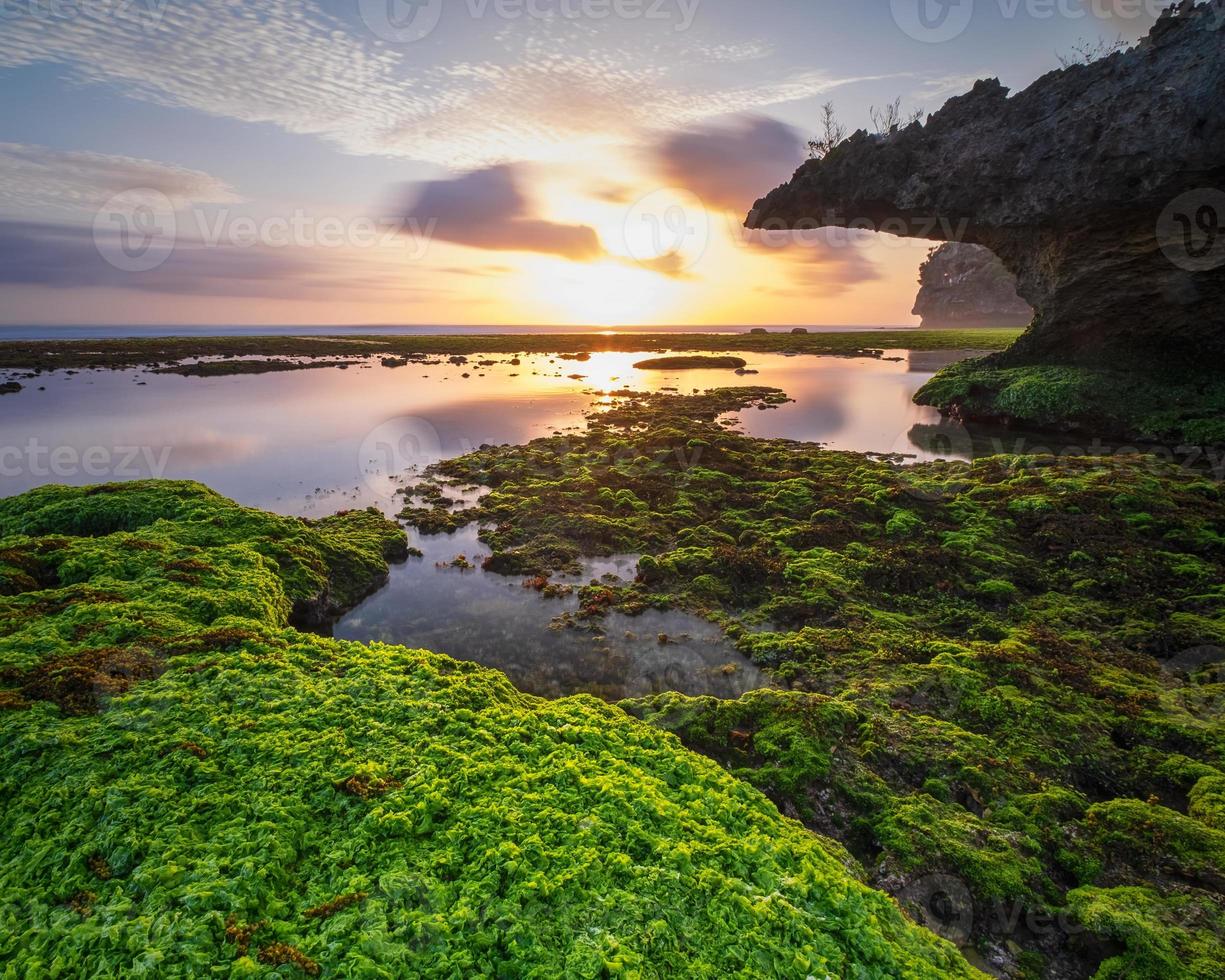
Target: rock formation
[1101,187]
[964,285]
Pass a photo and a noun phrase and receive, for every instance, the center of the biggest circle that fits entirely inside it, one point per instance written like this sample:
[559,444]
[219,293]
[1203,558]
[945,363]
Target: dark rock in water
[227,367]
[686,362]
[962,285]
[759,330]
[1101,187]
[9,388]
[800,330]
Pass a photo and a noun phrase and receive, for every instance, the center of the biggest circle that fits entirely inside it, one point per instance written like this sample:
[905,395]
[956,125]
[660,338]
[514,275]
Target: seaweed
[429,818]
[977,651]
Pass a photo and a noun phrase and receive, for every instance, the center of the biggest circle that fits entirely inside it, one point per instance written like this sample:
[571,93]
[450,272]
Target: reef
[227,367]
[690,362]
[395,351]
[1101,187]
[192,786]
[963,285]
[1002,683]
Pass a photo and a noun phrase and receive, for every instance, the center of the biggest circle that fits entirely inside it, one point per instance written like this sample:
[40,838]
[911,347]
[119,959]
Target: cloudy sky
[465,161]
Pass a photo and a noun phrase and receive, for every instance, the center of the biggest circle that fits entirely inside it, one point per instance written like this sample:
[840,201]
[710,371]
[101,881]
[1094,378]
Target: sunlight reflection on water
[292,442]
[312,442]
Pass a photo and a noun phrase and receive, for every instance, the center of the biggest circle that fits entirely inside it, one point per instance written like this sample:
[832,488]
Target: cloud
[728,163]
[68,256]
[38,178]
[297,67]
[486,209]
[672,264]
[824,262]
[1130,19]
[613,193]
[478,271]
[943,87]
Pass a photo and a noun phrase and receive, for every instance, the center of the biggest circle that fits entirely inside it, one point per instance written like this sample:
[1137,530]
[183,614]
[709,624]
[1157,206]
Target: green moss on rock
[1122,405]
[981,654]
[200,823]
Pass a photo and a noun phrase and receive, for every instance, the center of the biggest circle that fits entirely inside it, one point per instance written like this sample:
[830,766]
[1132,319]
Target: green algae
[228,367]
[134,352]
[976,652]
[689,362]
[275,803]
[1112,404]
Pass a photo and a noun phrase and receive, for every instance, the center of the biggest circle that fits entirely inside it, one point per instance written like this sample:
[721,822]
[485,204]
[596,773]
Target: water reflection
[297,442]
[312,442]
[494,620]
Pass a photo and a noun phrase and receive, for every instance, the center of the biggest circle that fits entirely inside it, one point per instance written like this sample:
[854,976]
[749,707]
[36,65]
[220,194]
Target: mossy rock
[269,802]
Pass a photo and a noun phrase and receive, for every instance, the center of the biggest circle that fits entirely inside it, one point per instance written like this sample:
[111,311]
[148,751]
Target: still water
[311,442]
[307,442]
[492,619]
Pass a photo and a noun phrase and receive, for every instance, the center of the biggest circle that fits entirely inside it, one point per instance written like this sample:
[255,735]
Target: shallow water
[310,442]
[494,620]
[315,441]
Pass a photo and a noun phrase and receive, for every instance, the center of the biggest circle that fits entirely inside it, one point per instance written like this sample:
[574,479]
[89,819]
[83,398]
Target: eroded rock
[962,285]
[1101,187]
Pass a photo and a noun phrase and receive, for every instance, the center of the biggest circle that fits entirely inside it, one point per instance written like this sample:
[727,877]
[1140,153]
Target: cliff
[1101,187]
[968,286]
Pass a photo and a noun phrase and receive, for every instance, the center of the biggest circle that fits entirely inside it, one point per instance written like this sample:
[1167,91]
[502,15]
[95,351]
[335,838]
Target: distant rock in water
[688,362]
[964,285]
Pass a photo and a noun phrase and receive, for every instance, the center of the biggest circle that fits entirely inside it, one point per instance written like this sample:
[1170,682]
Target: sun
[608,293]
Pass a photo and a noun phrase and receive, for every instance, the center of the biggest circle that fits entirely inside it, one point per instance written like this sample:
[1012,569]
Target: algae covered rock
[1005,676]
[270,802]
[963,285]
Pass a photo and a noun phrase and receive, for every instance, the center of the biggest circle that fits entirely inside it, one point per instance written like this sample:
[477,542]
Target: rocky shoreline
[1099,187]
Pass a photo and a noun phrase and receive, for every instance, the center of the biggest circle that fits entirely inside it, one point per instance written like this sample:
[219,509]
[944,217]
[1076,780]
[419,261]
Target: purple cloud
[727,164]
[486,209]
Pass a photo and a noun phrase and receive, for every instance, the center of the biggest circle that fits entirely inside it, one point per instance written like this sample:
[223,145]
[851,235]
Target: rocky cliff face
[964,285]
[1101,187]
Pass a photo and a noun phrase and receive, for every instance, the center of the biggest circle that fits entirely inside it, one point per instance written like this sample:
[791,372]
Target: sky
[559,162]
